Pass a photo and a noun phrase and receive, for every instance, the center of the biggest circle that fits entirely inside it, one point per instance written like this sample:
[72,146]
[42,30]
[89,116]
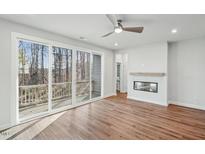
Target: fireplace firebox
[146,86]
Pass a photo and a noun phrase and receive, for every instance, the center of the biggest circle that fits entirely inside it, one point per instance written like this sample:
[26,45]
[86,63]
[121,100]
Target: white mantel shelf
[151,74]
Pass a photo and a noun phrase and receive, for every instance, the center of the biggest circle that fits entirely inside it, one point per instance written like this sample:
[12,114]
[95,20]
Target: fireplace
[146,86]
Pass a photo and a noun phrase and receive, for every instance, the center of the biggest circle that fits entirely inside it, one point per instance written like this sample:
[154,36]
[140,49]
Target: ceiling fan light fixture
[118,27]
[118,30]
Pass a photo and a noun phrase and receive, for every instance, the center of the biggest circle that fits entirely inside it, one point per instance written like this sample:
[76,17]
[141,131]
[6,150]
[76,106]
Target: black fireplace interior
[146,86]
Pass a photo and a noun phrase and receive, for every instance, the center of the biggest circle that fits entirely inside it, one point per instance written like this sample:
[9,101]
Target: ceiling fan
[118,28]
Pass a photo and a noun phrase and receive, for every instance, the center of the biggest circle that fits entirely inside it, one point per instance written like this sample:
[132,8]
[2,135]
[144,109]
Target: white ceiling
[156,27]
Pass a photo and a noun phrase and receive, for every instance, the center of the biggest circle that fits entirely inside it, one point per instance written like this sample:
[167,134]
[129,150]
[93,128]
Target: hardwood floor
[119,118]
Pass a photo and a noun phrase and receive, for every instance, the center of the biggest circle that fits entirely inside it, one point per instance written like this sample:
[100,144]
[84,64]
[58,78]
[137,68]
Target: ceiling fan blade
[107,34]
[112,18]
[133,29]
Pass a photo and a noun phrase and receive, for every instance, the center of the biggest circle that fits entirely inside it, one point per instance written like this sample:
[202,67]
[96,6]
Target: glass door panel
[40,79]
[82,76]
[96,76]
[33,78]
[61,77]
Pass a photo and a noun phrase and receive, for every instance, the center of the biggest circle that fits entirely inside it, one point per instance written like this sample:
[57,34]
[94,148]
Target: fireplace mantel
[151,74]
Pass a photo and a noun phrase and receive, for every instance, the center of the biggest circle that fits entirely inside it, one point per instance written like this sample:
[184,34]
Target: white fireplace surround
[158,98]
[148,63]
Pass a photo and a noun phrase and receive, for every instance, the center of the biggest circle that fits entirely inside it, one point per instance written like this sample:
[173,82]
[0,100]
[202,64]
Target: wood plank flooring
[119,118]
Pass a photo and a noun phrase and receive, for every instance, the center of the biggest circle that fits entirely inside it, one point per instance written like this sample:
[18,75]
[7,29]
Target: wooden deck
[119,118]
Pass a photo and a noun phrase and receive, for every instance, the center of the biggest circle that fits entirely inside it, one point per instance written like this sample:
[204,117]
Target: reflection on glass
[96,76]
[146,86]
[33,78]
[82,76]
[61,77]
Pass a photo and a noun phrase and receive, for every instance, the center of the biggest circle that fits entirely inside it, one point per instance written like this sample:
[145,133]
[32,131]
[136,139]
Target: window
[61,77]
[96,76]
[53,76]
[33,78]
[82,76]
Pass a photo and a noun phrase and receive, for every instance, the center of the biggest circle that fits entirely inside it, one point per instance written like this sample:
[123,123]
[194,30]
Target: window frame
[15,37]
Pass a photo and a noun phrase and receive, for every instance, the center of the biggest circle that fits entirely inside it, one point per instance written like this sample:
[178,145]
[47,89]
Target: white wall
[187,73]
[147,58]
[125,63]
[5,63]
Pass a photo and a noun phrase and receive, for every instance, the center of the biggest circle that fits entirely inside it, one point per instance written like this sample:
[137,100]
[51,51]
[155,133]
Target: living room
[102,76]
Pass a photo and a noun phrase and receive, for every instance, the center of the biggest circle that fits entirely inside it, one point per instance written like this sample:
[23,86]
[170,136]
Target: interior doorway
[121,72]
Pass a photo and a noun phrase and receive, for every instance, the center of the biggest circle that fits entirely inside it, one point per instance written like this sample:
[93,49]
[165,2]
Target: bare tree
[88,66]
[82,65]
[77,66]
[59,65]
[67,66]
[55,64]
[31,64]
[22,62]
[42,65]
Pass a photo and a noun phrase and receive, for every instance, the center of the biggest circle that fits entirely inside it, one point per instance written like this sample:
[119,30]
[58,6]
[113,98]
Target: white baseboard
[195,106]
[5,126]
[123,91]
[148,101]
[108,95]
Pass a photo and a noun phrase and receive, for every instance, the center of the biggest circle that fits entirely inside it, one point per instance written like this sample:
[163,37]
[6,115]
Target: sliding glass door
[61,77]
[82,76]
[96,76]
[32,78]
[48,81]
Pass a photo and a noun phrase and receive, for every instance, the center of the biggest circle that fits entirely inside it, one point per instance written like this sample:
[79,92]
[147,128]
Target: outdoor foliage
[33,63]
[62,65]
[83,65]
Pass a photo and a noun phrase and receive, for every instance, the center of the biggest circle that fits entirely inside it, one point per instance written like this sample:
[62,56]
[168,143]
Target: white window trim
[14,76]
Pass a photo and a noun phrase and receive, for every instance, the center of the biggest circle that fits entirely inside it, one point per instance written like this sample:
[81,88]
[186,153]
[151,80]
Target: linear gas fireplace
[146,86]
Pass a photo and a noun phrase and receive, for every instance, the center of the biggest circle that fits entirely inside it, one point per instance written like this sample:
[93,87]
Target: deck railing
[61,91]
[38,94]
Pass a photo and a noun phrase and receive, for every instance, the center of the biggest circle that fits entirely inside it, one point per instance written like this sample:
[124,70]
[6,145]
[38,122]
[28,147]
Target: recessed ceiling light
[83,38]
[174,31]
[116,44]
